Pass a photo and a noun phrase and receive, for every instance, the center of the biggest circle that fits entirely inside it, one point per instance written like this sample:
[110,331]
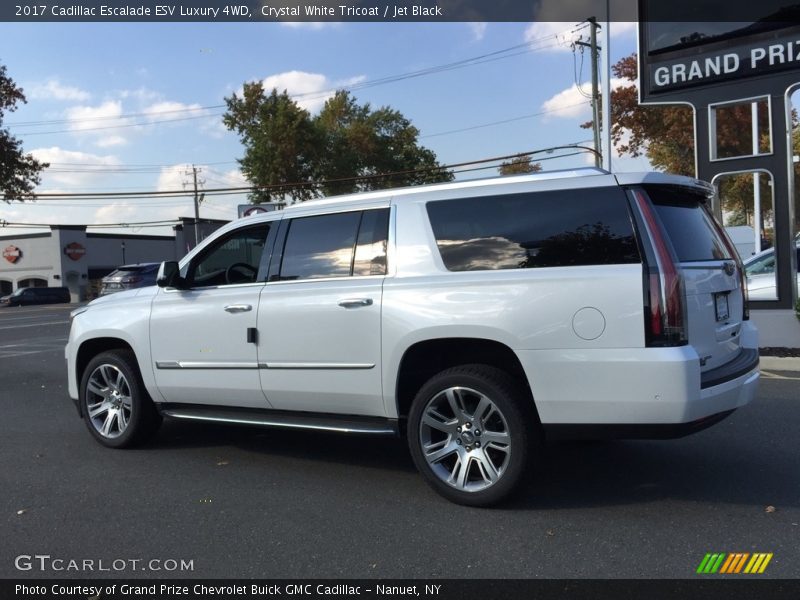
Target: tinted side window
[233,259]
[370,256]
[542,229]
[320,246]
[689,224]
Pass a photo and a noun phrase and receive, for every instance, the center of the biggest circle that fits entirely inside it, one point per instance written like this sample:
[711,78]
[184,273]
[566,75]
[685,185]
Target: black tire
[139,414]
[475,487]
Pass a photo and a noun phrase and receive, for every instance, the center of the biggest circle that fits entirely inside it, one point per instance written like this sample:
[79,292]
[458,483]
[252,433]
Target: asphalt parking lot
[244,502]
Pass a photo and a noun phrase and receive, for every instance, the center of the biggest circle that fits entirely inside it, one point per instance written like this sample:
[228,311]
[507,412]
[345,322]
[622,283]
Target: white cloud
[52,89]
[571,103]
[108,141]
[97,123]
[231,178]
[173,110]
[88,117]
[554,36]
[117,212]
[310,90]
[478,30]
[141,94]
[65,163]
[174,177]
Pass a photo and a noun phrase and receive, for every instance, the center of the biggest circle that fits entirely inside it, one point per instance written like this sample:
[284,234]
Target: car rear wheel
[469,432]
[114,402]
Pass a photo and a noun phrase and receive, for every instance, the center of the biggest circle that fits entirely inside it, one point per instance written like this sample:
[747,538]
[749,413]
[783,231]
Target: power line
[168,222]
[123,126]
[512,119]
[291,185]
[102,169]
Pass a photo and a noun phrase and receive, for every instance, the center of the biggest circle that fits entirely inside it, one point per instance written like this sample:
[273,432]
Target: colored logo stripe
[724,563]
[758,563]
[711,563]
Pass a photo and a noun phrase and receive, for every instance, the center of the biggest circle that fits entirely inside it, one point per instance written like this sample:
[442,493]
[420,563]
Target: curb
[779,363]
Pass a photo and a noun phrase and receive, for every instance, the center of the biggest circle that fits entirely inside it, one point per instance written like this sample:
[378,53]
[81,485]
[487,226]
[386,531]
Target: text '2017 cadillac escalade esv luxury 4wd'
[474,318]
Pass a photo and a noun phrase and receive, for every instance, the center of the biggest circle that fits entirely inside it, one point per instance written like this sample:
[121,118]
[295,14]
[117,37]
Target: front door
[202,342]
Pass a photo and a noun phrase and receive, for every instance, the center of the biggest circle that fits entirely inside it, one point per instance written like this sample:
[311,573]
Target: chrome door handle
[355,302]
[237,308]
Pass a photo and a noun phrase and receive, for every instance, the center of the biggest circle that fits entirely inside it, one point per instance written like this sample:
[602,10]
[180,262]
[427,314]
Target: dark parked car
[37,295]
[128,277]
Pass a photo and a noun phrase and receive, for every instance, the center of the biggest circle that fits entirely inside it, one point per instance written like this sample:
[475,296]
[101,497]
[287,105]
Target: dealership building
[71,256]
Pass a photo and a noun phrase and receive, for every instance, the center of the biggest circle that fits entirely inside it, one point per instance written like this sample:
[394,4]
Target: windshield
[761,265]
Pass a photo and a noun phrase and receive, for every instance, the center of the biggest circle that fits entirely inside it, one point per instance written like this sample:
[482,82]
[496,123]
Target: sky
[117,107]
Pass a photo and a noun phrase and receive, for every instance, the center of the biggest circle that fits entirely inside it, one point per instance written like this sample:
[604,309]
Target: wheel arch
[423,359]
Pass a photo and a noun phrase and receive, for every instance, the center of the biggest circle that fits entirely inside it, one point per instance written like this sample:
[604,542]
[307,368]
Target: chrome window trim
[172,290]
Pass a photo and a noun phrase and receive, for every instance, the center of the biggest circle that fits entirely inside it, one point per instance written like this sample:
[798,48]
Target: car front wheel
[114,402]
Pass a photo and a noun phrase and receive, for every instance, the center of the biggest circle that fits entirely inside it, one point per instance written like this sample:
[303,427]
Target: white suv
[474,318]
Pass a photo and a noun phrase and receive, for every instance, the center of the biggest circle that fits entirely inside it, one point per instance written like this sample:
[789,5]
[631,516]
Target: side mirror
[169,276]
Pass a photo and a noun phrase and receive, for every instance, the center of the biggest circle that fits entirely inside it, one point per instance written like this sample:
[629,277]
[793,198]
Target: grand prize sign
[725,58]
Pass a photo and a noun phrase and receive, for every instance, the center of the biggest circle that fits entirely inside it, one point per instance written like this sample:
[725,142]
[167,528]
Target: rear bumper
[631,390]
[741,365]
[632,432]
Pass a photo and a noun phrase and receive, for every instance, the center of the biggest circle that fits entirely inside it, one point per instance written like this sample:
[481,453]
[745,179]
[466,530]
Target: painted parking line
[50,343]
[6,354]
[34,325]
[24,310]
[28,318]
[770,375]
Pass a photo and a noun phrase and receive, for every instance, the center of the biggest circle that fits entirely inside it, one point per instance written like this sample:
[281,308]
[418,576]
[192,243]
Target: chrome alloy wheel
[465,439]
[108,401]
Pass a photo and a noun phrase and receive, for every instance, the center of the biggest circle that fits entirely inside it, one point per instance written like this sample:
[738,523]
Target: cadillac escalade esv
[474,318]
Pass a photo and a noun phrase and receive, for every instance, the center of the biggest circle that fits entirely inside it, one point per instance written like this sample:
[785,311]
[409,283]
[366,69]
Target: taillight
[666,321]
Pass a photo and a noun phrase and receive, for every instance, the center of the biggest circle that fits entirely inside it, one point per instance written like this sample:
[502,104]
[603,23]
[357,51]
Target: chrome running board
[284,419]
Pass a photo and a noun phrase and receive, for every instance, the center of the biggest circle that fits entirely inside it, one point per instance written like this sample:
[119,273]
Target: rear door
[320,314]
[711,273]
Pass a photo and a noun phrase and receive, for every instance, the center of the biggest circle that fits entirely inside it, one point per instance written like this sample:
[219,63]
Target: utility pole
[198,198]
[595,57]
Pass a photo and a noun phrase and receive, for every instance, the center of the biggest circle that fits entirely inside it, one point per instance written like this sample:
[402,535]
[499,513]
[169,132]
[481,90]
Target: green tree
[282,144]
[519,165]
[345,148]
[19,172]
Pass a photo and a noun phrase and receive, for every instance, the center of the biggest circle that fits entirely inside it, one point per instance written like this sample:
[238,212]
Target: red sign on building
[12,254]
[74,250]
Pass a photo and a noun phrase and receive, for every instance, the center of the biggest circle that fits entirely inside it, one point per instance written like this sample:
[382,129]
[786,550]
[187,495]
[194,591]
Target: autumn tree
[519,165]
[347,147]
[664,134]
[19,172]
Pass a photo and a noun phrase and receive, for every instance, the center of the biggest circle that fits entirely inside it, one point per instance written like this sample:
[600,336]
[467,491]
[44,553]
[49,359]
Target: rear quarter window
[688,223]
[534,230]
